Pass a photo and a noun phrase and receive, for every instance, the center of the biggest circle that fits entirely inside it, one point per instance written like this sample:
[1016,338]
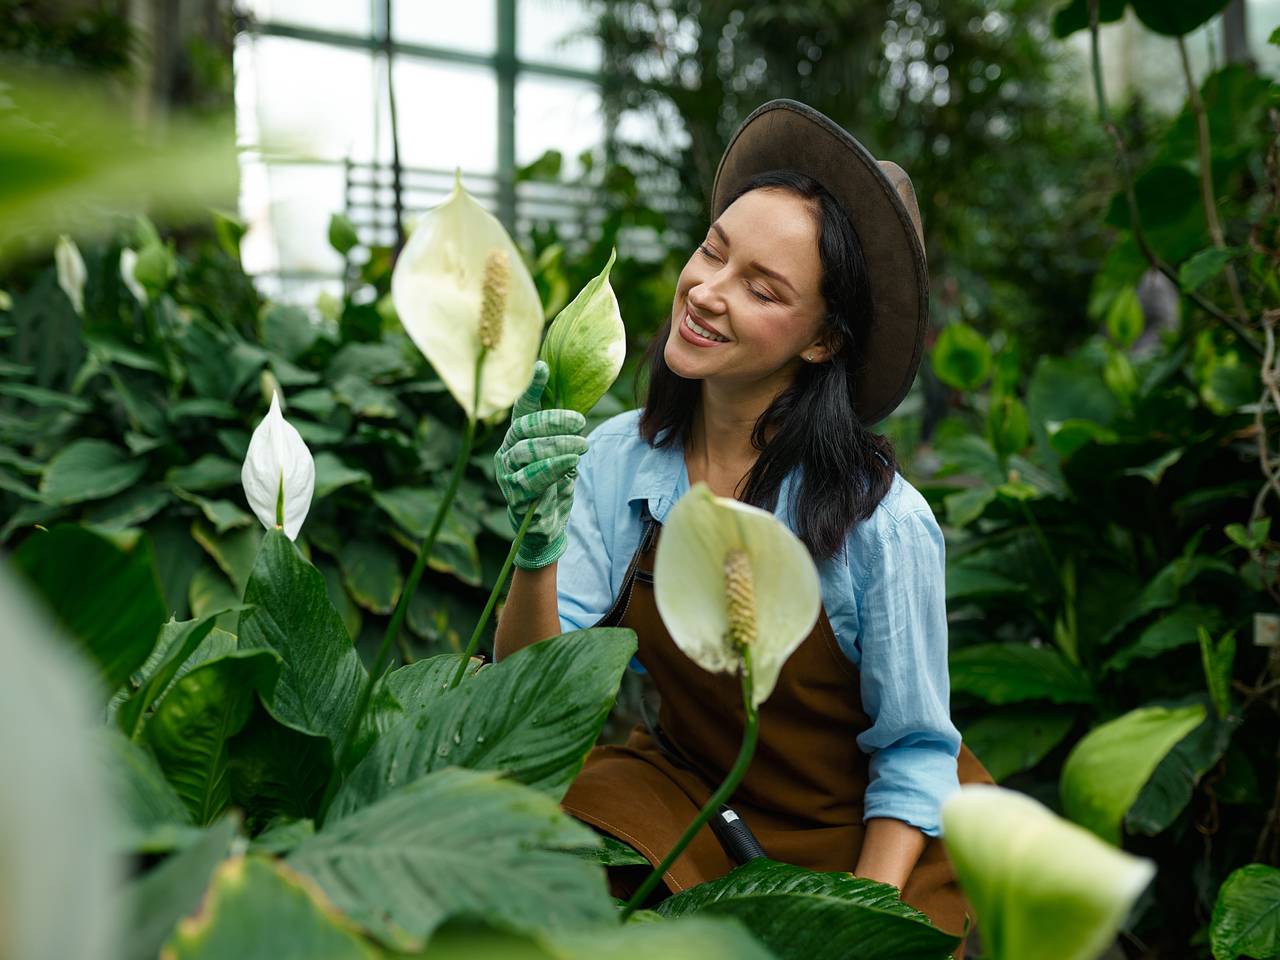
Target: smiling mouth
[701,330]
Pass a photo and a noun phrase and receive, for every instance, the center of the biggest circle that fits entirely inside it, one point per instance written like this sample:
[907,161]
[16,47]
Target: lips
[689,315]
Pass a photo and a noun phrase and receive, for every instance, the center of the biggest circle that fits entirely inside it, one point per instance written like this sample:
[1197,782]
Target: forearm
[531,611]
[890,849]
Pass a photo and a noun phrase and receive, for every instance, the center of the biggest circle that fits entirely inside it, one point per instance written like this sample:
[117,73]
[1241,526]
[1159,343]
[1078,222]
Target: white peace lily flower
[1042,887]
[694,598]
[71,271]
[128,261]
[585,346]
[438,290]
[278,467]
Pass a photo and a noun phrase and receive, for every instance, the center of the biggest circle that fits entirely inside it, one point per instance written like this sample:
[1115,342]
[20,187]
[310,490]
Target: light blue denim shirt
[884,595]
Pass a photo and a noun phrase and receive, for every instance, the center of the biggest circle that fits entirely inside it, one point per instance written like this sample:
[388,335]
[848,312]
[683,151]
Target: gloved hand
[536,466]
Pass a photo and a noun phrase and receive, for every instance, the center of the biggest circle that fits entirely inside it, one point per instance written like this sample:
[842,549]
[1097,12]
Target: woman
[796,324]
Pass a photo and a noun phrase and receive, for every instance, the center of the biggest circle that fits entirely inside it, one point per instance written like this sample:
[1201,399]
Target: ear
[825,347]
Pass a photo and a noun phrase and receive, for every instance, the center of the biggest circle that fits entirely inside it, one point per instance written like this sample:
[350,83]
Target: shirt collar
[661,478]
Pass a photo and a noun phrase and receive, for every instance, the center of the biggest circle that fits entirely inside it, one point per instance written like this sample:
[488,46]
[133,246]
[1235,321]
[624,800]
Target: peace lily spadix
[690,584]
[279,474]
[1042,887]
[738,592]
[585,346]
[439,291]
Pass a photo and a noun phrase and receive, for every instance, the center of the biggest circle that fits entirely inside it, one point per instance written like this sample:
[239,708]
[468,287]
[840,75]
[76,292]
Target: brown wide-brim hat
[881,204]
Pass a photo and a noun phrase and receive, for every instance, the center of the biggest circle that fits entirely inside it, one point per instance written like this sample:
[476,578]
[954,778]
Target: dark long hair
[846,469]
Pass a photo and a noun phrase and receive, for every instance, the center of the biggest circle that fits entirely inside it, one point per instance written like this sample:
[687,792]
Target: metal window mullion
[505,66]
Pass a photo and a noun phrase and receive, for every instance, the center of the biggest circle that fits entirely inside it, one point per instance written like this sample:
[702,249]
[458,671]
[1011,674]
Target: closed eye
[706,252]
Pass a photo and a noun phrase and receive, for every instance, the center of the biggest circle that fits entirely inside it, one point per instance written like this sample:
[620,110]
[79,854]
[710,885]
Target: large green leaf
[1176,629]
[414,510]
[1075,15]
[1012,672]
[151,816]
[155,902]
[1178,18]
[259,909]
[961,357]
[89,470]
[456,842]
[106,597]
[210,472]
[418,684]
[371,574]
[235,551]
[332,474]
[534,715]
[802,915]
[191,727]
[276,771]
[177,642]
[1106,770]
[1017,737]
[1246,918]
[692,938]
[1169,790]
[321,674]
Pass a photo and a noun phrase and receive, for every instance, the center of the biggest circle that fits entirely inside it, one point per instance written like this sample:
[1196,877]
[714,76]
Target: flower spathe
[585,346]
[438,291]
[278,468]
[701,589]
[71,271]
[128,264]
[1043,888]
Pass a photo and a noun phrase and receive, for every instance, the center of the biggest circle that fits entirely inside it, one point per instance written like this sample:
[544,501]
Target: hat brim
[787,135]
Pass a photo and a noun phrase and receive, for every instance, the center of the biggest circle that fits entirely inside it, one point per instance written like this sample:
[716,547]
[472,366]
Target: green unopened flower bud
[493,298]
[740,597]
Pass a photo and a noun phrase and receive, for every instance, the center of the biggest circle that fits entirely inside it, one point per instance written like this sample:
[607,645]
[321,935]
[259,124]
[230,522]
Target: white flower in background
[438,287]
[279,474]
[128,262]
[71,271]
[728,574]
[1042,887]
[585,346]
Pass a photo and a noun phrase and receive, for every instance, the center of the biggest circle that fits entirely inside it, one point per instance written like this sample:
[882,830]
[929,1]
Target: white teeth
[703,331]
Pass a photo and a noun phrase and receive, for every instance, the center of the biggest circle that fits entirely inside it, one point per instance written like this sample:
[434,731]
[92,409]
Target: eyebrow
[755,264]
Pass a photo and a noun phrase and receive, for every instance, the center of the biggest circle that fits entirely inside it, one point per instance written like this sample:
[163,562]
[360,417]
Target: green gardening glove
[536,466]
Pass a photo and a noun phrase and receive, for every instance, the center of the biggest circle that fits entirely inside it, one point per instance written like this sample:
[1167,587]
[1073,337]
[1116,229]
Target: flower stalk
[740,599]
[718,799]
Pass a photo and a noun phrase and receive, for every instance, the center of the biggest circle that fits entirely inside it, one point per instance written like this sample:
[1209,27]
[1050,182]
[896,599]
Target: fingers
[531,399]
[545,423]
[534,479]
[526,452]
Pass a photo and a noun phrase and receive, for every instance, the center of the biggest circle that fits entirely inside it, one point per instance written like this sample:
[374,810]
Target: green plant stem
[415,574]
[718,799]
[1131,196]
[466,654]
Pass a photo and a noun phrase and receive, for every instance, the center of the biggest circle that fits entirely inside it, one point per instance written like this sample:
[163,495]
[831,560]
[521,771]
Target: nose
[706,298]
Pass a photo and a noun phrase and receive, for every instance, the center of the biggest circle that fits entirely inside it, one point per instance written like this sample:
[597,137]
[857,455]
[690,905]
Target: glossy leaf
[1218,658]
[191,727]
[1176,19]
[1178,628]
[1016,738]
[371,574]
[1010,673]
[276,772]
[178,641]
[1166,794]
[259,909]
[107,598]
[585,346]
[155,902]
[209,472]
[534,715]
[1246,917]
[1106,770]
[89,469]
[321,673]
[456,842]
[151,816]
[803,915]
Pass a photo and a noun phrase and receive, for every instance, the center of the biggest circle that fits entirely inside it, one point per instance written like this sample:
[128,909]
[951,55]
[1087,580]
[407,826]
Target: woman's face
[756,282]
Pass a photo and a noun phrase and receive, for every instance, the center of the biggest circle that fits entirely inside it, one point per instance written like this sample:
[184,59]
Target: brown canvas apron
[803,793]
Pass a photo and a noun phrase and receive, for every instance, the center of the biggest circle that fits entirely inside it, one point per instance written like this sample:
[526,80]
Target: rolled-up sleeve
[582,575]
[906,690]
